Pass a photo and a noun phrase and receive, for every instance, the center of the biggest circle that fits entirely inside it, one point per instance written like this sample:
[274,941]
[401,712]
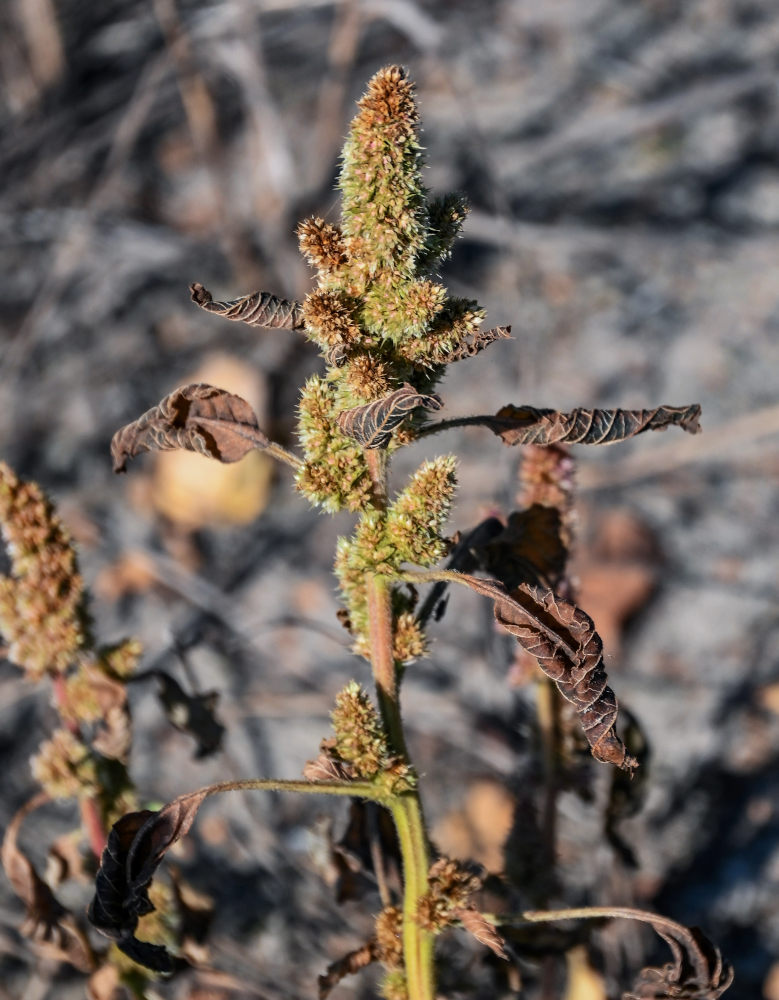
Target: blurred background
[622,163]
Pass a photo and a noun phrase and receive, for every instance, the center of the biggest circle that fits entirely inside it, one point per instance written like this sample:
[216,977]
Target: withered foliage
[529,549]
[475,342]
[52,929]
[528,425]
[136,845]
[697,972]
[256,309]
[347,966]
[197,417]
[372,425]
[482,930]
[563,639]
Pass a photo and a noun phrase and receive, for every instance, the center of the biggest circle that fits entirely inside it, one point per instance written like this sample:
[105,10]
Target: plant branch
[448,425]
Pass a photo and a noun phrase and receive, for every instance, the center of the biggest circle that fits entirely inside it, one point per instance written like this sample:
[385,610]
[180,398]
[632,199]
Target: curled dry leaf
[136,845]
[480,339]
[569,650]
[327,766]
[372,425]
[527,425]
[530,549]
[698,971]
[51,928]
[481,929]
[197,417]
[347,966]
[256,309]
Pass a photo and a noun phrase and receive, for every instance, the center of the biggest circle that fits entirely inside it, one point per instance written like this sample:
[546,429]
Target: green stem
[417,943]
[407,809]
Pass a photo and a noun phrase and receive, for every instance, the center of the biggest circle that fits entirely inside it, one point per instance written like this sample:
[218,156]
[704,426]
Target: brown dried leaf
[528,425]
[347,966]
[698,971]
[51,928]
[372,425]
[480,928]
[480,339]
[327,766]
[136,845]
[197,417]
[530,549]
[256,309]
[569,650]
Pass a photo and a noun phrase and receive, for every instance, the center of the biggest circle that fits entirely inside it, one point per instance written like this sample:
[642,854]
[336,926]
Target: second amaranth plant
[387,329]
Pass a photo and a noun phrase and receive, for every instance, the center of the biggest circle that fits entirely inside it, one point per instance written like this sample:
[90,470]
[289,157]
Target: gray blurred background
[622,163]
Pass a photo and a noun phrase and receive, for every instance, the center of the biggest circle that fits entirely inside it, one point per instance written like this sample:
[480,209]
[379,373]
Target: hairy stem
[407,810]
[280,453]
[91,820]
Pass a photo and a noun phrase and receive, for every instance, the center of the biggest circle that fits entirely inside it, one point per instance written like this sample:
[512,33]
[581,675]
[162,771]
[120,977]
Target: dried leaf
[136,845]
[698,971]
[51,928]
[476,342]
[257,309]
[372,425]
[569,650]
[197,417]
[527,425]
[326,766]
[347,966]
[529,549]
[480,928]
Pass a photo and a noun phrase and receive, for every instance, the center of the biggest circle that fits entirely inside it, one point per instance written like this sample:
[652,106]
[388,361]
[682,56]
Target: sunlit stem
[407,810]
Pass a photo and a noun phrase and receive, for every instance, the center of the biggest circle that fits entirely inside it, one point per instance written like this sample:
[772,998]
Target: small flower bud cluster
[65,767]
[389,927]
[457,320]
[416,518]
[359,735]
[322,244]
[42,605]
[410,531]
[394,986]
[334,474]
[330,319]
[445,219]
[361,743]
[450,889]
